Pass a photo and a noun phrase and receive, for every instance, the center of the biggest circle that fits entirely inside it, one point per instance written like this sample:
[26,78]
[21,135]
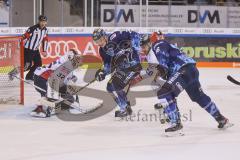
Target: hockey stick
[46,91]
[83,87]
[65,101]
[21,79]
[128,89]
[231,79]
[77,99]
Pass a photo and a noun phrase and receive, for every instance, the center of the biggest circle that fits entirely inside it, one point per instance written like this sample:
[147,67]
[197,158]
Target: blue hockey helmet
[97,34]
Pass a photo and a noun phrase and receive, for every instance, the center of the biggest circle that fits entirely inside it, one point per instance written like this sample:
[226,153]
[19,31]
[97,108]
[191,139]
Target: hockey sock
[173,113]
[212,109]
[121,99]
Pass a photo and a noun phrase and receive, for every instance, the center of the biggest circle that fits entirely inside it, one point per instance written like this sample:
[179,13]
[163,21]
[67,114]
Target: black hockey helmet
[98,33]
[145,39]
[42,18]
[159,33]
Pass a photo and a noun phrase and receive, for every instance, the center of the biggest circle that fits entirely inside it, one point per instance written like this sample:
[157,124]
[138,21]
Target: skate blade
[125,118]
[173,134]
[121,118]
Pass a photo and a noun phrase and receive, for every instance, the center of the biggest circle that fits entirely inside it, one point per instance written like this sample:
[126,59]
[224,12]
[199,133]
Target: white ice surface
[26,138]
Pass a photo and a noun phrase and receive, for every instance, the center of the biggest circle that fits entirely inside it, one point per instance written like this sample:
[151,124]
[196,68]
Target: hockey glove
[136,80]
[100,75]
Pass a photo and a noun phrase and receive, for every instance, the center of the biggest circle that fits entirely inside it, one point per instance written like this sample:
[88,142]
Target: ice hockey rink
[25,138]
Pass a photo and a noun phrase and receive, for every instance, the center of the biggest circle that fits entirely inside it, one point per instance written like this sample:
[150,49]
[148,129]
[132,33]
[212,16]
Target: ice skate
[223,122]
[124,113]
[174,130]
[39,112]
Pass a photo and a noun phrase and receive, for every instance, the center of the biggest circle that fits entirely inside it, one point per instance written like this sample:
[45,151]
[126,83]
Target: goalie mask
[74,56]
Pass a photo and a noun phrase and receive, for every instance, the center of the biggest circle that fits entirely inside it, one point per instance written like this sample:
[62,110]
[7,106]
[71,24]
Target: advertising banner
[58,45]
[216,47]
[234,17]
[177,16]
[202,49]
[209,49]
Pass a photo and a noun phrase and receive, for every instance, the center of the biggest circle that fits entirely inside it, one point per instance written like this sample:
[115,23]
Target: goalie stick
[53,105]
[83,87]
[27,82]
[231,79]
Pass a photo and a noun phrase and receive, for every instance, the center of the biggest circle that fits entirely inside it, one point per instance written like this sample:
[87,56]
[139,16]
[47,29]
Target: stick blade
[231,79]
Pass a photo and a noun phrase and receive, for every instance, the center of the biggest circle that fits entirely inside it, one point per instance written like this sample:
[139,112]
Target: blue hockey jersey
[118,41]
[170,57]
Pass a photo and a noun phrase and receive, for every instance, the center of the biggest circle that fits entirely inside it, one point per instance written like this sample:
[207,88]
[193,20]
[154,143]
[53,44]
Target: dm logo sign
[120,15]
[110,14]
[195,16]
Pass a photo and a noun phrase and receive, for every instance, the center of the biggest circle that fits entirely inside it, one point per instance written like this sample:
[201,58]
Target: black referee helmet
[42,18]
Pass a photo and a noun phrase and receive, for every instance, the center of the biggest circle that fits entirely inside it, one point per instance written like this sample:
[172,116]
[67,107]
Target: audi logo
[58,48]
[178,30]
[207,30]
[236,31]
[19,30]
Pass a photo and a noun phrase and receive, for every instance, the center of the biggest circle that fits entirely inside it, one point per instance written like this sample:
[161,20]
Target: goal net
[11,60]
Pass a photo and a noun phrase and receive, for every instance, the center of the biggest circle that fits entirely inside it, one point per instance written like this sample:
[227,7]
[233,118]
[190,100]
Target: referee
[34,36]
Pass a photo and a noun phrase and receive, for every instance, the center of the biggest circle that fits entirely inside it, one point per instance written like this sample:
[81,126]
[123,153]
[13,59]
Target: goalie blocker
[51,81]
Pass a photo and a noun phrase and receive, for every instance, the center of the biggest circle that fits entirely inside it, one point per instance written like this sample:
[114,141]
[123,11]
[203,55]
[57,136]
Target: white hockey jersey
[152,63]
[151,58]
[47,70]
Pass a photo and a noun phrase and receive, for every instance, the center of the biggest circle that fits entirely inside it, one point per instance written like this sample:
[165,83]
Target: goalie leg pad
[53,106]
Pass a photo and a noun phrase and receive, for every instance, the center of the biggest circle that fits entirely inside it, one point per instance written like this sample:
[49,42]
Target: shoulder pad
[157,44]
[112,36]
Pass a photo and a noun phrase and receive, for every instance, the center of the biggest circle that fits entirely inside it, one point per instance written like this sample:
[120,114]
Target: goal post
[11,58]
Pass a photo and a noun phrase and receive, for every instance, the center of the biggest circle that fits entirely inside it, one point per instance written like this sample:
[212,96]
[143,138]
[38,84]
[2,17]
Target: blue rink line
[167,35]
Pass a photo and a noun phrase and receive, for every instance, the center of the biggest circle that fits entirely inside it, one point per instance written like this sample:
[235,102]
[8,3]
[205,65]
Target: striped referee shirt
[35,36]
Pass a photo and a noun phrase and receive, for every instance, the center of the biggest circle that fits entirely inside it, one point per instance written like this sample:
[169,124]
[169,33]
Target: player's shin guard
[206,103]
[212,109]
[173,113]
[121,99]
[174,116]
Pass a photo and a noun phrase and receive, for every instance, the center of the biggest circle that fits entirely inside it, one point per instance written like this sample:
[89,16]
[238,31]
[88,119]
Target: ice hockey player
[181,74]
[120,54]
[51,82]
